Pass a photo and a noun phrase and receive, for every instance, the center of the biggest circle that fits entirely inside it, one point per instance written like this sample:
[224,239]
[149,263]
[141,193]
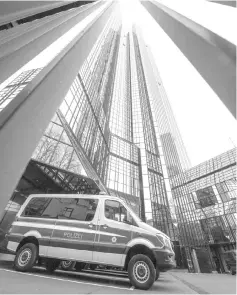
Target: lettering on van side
[77,236]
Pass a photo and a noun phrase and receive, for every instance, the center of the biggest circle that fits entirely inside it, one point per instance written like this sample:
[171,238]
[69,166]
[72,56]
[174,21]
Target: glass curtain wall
[205,200]
[124,162]
[84,111]
[8,93]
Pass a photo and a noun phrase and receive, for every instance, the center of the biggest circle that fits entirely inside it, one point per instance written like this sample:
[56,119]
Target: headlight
[161,240]
[165,242]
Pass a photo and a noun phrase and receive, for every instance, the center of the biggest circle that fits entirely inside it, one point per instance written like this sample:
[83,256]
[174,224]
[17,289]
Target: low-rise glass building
[205,204]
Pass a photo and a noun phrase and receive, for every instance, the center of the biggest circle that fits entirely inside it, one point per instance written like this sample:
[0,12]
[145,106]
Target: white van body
[96,229]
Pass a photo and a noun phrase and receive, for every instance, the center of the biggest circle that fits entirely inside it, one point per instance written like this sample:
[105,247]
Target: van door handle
[105,226]
[91,225]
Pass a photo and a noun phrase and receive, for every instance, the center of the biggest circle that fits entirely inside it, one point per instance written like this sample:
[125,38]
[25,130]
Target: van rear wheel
[26,257]
[79,266]
[93,266]
[141,272]
[51,265]
[67,264]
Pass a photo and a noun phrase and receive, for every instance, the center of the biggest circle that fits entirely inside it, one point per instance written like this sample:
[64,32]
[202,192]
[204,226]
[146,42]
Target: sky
[206,126]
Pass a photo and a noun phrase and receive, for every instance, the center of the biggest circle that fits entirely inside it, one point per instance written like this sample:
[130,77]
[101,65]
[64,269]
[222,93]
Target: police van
[94,229]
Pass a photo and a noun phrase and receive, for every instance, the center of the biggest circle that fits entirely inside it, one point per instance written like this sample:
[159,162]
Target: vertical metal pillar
[213,56]
[36,38]
[24,120]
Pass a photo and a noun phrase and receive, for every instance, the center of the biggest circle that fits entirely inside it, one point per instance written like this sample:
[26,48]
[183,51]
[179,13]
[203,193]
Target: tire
[93,266]
[26,257]
[67,265]
[79,266]
[233,272]
[51,265]
[143,264]
[157,274]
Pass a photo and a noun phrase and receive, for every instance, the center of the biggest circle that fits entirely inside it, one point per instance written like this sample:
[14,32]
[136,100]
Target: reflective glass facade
[104,128]
[8,93]
[115,126]
[56,149]
[205,203]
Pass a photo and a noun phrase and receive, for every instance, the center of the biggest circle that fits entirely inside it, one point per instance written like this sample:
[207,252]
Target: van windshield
[133,214]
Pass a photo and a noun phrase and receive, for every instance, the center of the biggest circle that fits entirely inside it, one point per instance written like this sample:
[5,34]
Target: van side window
[62,208]
[116,211]
[36,207]
[78,209]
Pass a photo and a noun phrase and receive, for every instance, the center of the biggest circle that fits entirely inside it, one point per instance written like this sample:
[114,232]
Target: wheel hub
[141,271]
[66,263]
[24,257]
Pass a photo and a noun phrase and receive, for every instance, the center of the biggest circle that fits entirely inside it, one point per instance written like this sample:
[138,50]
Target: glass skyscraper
[105,127]
[116,127]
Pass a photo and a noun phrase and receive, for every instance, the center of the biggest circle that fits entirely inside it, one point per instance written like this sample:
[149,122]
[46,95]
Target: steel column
[35,39]
[24,120]
[213,56]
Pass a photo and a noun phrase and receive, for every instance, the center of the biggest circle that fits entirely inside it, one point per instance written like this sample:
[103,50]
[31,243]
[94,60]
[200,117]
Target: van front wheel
[141,272]
[26,257]
[157,274]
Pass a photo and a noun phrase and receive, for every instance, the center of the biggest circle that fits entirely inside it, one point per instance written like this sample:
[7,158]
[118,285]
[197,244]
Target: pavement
[38,281]
[208,283]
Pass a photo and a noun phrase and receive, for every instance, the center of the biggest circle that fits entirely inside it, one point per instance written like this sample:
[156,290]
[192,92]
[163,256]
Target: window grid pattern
[124,149]
[123,176]
[166,122]
[147,122]
[121,110]
[161,212]
[138,135]
[56,149]
[82,109]
[158,212]
[8,93]
[87,110]
[205,202]
[160,126]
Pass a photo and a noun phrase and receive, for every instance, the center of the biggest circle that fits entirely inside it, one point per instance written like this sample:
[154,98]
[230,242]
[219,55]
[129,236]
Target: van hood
[151,229]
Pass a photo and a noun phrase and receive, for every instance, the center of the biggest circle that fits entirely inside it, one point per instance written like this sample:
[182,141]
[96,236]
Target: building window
[206,197]
[227,189]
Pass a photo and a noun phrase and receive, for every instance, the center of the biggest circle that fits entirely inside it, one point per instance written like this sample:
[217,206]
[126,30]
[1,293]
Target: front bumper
[165,259]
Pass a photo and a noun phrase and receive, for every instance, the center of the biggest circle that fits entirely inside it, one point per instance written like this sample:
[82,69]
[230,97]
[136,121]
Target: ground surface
[208,283]
[92,282]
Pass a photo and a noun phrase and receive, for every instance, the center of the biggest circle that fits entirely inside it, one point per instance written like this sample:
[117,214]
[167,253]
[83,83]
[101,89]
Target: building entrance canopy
[43,178]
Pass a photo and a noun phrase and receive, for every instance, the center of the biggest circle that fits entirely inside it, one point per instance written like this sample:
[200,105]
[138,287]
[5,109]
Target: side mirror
[127,221]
